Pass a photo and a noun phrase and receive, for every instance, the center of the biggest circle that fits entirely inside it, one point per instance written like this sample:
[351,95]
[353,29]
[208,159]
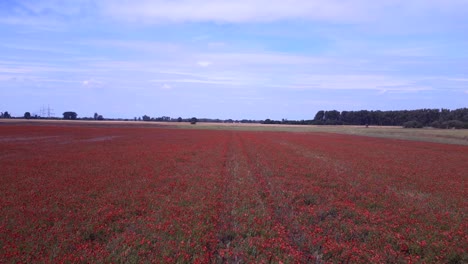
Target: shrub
[436,124]
[453,124]
[412,124]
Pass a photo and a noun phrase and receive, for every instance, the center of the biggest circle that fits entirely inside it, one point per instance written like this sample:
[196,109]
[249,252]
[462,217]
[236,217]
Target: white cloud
[91,83]
[5,78]
[227,11]
[397,15]
[381,83]
[56,6]
[263,58]
[45,24]
[45,15]
[36,48]
[458,79]
[147,46]
[199,81]
[166,87]
[272,10]
[408,52]
[204,63]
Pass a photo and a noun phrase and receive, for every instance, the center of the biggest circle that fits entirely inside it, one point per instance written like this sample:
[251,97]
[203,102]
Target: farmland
[153,194]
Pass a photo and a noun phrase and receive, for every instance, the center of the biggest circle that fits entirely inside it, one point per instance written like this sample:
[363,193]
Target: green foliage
[453,124]
[193,120]
[439,118]
[320,116]
[450,124]
[271,122]
[70,115]
[100,117]
[27,115]
[436,124]
[5,115]
[412,124]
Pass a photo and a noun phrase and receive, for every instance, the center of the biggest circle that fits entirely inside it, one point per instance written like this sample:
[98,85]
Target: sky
[243,59]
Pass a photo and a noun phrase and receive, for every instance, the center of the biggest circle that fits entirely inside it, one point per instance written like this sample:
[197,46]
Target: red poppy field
[78,194]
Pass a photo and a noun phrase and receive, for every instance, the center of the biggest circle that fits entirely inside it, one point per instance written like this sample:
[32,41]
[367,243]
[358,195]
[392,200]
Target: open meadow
[117,193]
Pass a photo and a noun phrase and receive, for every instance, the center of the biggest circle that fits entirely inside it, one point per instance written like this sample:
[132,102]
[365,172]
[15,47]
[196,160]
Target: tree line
[439,118]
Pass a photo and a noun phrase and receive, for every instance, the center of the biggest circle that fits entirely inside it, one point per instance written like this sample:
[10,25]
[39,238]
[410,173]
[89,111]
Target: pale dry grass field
[446,136]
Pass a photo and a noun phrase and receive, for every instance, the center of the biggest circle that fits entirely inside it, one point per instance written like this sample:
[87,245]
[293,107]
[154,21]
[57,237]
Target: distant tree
[139,118]
[27,115]
[6,115]
[96,116]
[146,118]
[70,115]
[100,117]
[332,116]
[427,117]
[453,124]
[436,124]
[193,120]
[412,124]
[179,119]
[320,116]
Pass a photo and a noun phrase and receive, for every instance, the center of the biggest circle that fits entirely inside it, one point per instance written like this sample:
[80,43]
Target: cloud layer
[240,11]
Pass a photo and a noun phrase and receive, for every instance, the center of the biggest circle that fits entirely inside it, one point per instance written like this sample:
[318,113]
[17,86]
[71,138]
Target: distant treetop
[69,115]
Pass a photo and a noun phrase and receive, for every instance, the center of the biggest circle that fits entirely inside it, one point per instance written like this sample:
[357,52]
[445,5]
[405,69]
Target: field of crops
[139,194]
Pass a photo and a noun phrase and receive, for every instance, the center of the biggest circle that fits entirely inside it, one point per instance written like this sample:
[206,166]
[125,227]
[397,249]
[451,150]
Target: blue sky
[252,59]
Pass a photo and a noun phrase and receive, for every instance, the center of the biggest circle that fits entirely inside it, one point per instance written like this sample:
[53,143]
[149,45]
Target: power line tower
[46,112]
[50,112]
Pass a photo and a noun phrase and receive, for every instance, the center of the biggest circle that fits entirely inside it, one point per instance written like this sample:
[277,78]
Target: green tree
[69,115]
[6,115]
[453,124]
[412,124]
[27,115]
[319,116]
